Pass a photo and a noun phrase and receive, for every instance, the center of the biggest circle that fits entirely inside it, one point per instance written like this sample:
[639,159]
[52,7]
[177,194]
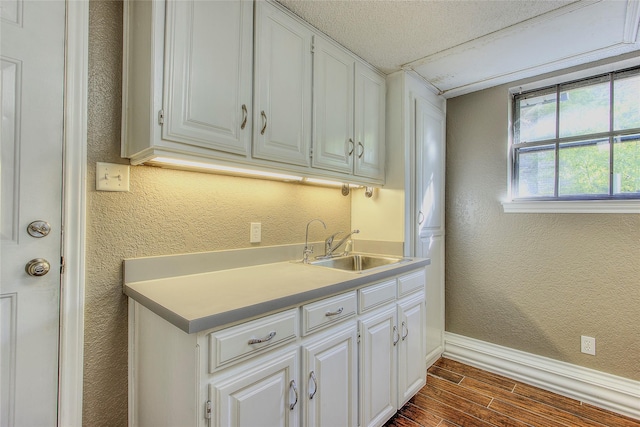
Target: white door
[430,227]
[330,376]
[378,367]
[262,392]
[32,59]
[282,91]
[412,370]
[430,164]
[369,123]
[208,74]
[333,88]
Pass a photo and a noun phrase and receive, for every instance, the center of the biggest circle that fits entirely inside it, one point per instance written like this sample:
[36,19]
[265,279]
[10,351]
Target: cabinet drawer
[411,282]
[375,295]
[328,311]
[247,339]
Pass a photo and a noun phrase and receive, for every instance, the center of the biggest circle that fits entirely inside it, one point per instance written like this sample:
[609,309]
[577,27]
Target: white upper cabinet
[333,89]
[207,98]
[231,83]
[187,79]
[282,88]
[369,123]
[348,113]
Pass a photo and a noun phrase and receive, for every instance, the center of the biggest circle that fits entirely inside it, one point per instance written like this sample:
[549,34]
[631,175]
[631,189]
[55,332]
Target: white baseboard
[604,390]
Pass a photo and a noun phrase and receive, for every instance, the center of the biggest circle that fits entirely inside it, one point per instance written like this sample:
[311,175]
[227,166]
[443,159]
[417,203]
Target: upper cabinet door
[333,89]
[369,123]
[208,60]
[282,87]
[430,155]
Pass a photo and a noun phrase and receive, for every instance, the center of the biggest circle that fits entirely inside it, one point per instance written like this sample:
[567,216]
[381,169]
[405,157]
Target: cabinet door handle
[396,336]
[334,313]
[292,385]
[361,149]
[420,218]
[404,328]
[351,146]
[261,340]
[312,377]
[244,116]
[264,120]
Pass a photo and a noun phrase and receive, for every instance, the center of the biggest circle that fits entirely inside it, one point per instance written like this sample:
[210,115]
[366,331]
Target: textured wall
[533,282]
[166,212]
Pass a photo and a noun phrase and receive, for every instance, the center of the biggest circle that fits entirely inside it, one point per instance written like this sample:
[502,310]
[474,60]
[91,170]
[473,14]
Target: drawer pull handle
[334,313]
[404,328]
[396,336]
[264,121]
[312,376]
[261,340]
[244,116]
[292,385]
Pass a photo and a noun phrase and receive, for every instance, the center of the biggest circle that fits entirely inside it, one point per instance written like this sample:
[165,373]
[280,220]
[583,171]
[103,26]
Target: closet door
[430,227]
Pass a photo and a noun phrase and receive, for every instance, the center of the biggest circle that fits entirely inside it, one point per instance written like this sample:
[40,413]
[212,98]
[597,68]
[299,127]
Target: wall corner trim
[604,390]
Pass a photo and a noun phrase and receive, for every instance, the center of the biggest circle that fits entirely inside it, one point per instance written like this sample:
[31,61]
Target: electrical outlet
[255,233]
[588,345]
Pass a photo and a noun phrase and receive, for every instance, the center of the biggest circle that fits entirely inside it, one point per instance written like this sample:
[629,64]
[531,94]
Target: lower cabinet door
[378,367]
[412,367]
[262,392]
[330,372]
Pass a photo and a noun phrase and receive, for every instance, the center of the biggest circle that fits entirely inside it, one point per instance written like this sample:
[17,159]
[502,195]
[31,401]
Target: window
[578,140]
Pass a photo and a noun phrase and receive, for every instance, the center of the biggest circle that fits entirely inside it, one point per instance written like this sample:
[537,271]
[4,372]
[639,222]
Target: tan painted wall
[166,212]
[533,282]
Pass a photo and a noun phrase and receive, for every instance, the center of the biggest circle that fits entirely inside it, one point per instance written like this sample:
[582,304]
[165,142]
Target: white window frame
[564,206]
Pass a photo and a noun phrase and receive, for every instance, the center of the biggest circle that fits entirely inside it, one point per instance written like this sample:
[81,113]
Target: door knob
[37,267]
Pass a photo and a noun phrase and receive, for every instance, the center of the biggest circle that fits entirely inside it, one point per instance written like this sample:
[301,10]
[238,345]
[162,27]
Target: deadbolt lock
[39,229]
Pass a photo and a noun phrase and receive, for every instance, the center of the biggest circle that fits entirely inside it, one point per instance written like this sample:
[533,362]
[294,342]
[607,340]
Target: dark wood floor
[461,395]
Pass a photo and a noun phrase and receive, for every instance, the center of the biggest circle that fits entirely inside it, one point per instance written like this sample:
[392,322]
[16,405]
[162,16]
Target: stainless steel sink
[358,262]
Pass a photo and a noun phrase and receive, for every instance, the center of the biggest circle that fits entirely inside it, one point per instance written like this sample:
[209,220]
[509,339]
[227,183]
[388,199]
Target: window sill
[578,206]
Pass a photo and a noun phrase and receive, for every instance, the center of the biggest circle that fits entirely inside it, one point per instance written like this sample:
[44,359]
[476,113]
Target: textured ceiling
[389,34]
[460,46]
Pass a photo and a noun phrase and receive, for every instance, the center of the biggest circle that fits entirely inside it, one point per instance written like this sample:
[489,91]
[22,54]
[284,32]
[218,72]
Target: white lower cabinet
[378,371]
[330,372]
[392,351]
[262,392]
[412,369]
[349,360]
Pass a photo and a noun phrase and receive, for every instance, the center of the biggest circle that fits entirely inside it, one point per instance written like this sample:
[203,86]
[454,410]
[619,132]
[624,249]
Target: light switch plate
[112,177]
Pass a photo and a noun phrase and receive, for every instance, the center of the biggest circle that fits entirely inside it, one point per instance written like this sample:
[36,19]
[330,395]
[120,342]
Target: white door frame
[74,215]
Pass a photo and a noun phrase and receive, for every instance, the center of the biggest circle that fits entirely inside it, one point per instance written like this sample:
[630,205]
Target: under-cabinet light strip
[248,172]
[222,168]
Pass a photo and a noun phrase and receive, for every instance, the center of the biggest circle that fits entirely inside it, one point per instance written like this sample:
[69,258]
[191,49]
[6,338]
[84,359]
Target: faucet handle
[348,247]
[308,250]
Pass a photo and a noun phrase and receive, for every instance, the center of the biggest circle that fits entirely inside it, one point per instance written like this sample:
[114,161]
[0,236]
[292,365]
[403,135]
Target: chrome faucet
[330,248]
[308,250]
